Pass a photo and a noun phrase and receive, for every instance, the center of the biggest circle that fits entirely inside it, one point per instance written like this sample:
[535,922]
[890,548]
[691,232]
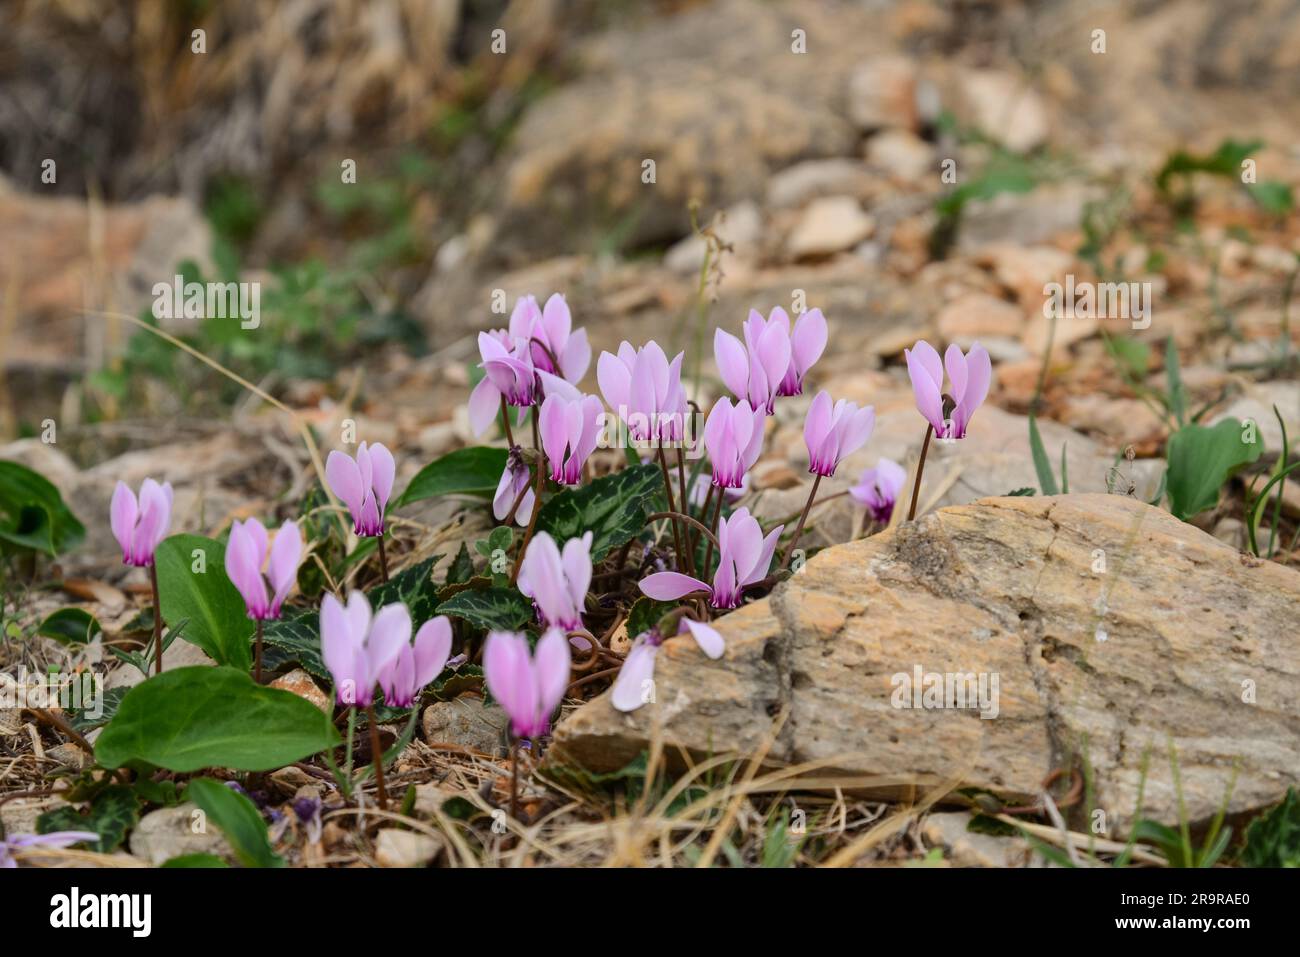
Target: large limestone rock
[1113,629]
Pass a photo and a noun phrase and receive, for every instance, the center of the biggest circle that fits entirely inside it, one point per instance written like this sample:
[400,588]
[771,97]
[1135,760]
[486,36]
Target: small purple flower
[733,437]
[364,485]
[515,481]
[807,343]
[645,390]
[635,682]
[970,375]
[417,664]
[744,557]
[529,687]
[307,811]
[556,581]
[756,369]
[570,431]
[834,432]
[877,489]
[358,648]
[52,841]
[140,526]
[246,553]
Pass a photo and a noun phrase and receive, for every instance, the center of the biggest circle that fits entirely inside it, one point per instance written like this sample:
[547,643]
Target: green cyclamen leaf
[294,640]
[462,567]
[238,819]
[1202,458]
[33,514]
[70,626]
[493,608]
[472,471]
[414,587]
[112,813]
[613,508]
[192,584]
[193,718]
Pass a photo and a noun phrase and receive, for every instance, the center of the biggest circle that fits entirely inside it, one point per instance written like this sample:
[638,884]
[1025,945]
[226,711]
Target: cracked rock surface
[1113,630]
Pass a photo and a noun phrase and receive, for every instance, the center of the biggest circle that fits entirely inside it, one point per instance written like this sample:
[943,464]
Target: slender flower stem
[505,419]
[668,492]
[532,519]
[348,752]
[684,500]
[688,520]
[157,620]
[514,781]
[555,363]
[708,500]
[519,500]
[920,467]
[537,437]
[704,516]
[803,517]
[257,667]
[717,517]
[378,756]
[383,558]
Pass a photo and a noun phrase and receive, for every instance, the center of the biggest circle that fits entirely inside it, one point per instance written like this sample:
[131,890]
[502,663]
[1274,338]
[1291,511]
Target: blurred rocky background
[912,167]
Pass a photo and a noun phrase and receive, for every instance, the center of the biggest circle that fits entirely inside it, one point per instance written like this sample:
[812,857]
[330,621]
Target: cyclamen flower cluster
[536,364]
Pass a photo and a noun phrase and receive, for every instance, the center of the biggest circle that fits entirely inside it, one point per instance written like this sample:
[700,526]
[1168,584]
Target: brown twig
[55,721]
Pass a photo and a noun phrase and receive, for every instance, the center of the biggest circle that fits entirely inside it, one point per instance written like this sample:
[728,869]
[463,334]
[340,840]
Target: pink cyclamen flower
[834,432]
[733,437]
[634,685]
[517,363]
[877,489]
[246,553]
[970,375]
[756,369]
[140,526]
[529,687]
[515,481]
[556,581]
[744,557]
[807,343]
[645,390]
[417,664]
[364,485]
[508,374]
[52,841]
[556,339]
[358,647]
[570,430]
